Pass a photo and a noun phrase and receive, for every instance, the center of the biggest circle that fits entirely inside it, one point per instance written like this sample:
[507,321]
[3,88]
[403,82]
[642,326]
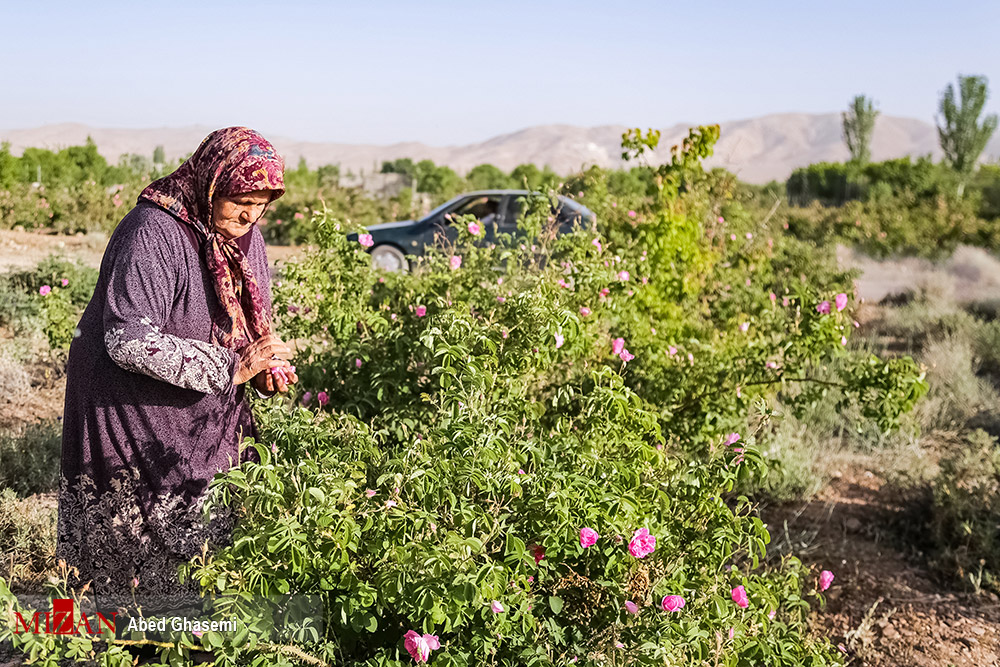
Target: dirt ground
[886,607]
[23,250]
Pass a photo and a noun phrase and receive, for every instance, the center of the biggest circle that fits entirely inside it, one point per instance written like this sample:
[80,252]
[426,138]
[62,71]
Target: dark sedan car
[497,211]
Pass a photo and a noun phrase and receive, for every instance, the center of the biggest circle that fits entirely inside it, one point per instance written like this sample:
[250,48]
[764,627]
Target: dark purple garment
[140,444]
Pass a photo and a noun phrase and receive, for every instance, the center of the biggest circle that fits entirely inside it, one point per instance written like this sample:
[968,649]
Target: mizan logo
[62,620]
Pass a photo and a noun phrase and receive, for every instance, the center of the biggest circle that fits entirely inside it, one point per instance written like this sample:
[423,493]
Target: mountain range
[756,149]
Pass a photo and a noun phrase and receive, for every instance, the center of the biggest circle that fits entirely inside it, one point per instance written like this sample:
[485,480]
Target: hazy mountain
[757,149]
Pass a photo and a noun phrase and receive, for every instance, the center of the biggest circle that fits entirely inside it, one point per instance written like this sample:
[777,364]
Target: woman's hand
[261,355]
[274,380]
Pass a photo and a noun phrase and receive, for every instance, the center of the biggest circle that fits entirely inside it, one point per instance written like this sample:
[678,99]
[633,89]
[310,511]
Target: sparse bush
[966,507]
[27,537]
[29,458]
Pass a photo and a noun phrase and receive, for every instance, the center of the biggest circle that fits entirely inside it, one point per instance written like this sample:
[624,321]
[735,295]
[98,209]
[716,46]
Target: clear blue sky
[456,72]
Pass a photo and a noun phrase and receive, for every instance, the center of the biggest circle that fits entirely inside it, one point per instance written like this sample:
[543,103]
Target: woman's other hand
[261,355]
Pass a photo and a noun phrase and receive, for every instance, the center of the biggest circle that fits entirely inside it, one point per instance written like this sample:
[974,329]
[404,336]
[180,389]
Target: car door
[513,208]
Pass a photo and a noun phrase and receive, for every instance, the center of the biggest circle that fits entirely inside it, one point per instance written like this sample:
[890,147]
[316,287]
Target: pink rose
[497,607]
[825,579]
[559,340]
[306,397]
[744,327]
[421,311]
[732,438]
[455,262]
[625,355]
[823,308]
[366,240]
[631,214]
[672,603]
[44,289]
[64,282]
[597,244]
[588,537]
[841,301]
[474,228]
[370,492]
[420,647]
[357,363]
[739,595]
[642,543]
[623,276]
[617,345]
[584,311]
[671,350]
[631,607]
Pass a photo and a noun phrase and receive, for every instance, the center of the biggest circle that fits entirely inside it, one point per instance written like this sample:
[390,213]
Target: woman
[155,405]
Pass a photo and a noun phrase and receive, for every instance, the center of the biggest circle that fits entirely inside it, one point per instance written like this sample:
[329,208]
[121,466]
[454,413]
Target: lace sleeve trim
[192,364]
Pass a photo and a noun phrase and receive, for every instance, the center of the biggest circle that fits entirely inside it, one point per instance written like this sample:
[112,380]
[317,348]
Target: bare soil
[23,250]
[886,607]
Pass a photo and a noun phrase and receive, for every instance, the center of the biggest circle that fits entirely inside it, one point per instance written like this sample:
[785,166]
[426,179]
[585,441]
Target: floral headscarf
[230,161]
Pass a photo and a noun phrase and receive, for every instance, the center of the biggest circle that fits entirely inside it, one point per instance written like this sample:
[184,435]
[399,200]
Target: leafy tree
[403,165]
[8,167]
[436,180]
[963,137]
[159,155]
[859,123]
[488,177]
[530,176]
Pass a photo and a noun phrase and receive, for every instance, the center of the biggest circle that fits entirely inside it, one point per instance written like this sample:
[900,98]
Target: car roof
[477,193]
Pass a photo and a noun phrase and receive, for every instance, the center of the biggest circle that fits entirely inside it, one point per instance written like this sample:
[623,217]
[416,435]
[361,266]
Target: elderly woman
[156,404]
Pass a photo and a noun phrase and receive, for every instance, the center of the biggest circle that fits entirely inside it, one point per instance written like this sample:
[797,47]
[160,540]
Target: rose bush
[528,449]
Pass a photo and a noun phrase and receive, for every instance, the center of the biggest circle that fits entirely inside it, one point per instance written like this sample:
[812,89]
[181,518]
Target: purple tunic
[151,412]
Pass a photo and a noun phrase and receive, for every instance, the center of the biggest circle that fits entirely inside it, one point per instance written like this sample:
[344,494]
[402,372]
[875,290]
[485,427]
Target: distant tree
[328,175]
[859,123]
[487,177]
[403,165]
[963,137]
[436,180]
[9,169]
[159,156]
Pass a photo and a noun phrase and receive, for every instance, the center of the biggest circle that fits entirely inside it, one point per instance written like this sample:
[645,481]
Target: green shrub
[51,296]
[29,458]
[966,507]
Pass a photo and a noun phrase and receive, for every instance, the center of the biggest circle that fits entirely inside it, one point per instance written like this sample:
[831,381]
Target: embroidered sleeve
[192,364]
[145,271]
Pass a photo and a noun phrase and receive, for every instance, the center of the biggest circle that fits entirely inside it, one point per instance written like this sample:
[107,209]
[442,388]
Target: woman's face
[234,216]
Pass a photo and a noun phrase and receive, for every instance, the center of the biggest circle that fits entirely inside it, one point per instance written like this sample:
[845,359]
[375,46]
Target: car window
[515,208]
[484,208]
[566,211]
